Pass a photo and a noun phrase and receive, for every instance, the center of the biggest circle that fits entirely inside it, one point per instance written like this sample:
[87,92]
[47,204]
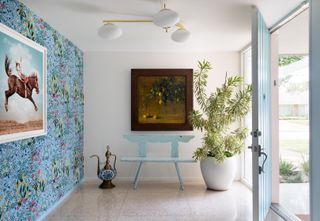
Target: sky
[20,109]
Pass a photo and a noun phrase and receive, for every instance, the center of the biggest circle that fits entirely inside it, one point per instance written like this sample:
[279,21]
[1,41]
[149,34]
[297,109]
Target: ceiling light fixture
[110,31]
[165,18]
[181,34]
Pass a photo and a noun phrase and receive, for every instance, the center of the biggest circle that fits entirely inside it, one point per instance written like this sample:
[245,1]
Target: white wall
[107,107]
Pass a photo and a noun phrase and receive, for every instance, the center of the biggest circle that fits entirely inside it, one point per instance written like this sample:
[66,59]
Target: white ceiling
[294,36]
[216,25]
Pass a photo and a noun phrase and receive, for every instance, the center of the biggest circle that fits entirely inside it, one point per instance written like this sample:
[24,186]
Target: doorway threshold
[282,212]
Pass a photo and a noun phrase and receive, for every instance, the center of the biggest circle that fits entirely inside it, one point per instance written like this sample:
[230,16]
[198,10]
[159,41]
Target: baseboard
[61,200]
[152,179]
[246,183]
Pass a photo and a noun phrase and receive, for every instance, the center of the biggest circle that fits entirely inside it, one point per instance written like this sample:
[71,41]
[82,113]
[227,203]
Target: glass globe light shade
[166,18]
[110,31]
[180,35]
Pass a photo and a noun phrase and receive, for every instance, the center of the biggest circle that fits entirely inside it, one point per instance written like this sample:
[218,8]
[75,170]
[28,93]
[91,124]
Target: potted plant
[221,141]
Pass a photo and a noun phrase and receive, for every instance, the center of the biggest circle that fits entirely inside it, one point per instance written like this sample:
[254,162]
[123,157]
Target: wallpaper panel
[35,173]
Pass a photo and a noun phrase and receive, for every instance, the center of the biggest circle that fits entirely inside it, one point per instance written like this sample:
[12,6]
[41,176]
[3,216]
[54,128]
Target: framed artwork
[23,89]
[161,99]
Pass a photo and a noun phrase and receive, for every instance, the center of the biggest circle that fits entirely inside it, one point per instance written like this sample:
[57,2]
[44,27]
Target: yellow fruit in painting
[159,93]
[144,116]
[160,102]
[155,116]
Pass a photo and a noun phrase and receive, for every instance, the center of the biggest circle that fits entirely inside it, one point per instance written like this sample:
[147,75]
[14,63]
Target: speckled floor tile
[155,202]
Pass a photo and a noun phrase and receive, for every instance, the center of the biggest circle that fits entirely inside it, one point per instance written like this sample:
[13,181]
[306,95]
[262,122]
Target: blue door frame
[261,117]
[314,52]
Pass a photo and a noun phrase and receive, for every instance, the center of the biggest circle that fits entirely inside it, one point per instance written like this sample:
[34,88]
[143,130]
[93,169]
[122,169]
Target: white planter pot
[218,176]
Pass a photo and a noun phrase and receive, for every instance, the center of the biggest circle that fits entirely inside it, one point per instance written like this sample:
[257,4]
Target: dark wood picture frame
[188,102]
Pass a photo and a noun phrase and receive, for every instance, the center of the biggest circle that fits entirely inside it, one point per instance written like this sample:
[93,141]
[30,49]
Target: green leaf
[226,105]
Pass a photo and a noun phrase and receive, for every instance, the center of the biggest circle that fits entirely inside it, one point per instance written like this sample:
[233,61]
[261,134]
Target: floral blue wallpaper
[35,173]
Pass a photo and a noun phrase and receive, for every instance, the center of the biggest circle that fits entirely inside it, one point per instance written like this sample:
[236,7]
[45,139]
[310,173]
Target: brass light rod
[179,25]
[126,21]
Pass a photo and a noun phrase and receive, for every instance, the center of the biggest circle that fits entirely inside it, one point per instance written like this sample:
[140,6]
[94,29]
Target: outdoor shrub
[296,177]
[305,166]
[286,168]
[289,173]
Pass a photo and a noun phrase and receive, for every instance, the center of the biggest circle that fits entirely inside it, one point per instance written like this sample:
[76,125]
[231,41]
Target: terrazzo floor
[155,202]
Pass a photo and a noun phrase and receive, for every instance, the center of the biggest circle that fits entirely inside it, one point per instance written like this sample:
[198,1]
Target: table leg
[136,179]
[179,176]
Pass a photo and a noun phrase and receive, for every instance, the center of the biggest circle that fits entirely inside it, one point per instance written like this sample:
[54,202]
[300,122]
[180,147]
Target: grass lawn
[301,146]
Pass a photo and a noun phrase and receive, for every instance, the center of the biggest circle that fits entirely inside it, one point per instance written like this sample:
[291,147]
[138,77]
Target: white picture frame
[18,121]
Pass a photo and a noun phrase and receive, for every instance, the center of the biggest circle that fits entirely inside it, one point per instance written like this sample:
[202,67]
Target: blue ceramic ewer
[107,173]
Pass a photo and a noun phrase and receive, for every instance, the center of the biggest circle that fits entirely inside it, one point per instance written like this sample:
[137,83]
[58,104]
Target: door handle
[261,168]
[260,153]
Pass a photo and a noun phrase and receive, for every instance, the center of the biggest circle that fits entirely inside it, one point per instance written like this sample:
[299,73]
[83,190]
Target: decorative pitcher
[108,173]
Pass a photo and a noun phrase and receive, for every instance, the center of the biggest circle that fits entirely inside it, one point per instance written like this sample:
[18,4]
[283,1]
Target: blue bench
[142,157]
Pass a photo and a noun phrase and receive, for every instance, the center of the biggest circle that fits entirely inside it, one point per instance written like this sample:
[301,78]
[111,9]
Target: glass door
[261,117]
[293,105]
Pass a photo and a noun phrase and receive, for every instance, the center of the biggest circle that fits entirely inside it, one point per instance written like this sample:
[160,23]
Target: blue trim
[261,116]
[314,104]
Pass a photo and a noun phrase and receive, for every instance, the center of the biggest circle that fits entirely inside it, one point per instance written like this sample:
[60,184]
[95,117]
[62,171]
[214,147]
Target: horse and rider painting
[21,84]
[22,87]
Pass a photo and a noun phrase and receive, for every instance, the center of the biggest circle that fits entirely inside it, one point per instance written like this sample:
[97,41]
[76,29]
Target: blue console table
[142,157]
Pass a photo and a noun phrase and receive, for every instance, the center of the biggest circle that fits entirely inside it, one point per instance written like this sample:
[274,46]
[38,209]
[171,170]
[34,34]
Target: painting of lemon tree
[161,99]
[22,86]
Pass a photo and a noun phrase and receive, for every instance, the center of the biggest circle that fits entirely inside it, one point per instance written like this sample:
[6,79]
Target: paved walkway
[295,197]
